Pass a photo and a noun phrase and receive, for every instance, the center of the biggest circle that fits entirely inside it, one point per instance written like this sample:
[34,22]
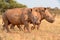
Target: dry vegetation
[47,31]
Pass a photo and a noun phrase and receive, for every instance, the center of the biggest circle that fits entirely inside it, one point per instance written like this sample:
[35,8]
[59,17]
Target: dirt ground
[47,31]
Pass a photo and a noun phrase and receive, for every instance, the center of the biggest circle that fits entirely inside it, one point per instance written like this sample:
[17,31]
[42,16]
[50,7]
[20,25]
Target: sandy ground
[47,31]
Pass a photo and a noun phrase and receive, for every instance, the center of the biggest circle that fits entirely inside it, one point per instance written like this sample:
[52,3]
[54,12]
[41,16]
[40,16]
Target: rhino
[16,16]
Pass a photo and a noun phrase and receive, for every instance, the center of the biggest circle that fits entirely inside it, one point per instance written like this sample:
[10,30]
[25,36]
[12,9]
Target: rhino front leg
[38,25]
[33,27]
[26,26]
[12,26]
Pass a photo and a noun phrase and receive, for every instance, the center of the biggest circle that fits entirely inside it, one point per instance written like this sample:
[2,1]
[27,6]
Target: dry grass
[47,31]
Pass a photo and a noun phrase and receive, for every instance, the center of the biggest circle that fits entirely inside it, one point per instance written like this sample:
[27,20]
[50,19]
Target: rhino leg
[19,27]
[3,26]
[38,27]
[6,23]
[7,28]
[12,26]
[33,27]
[26,26]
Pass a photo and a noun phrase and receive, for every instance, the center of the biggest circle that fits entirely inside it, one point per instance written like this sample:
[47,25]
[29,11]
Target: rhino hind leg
[6,26]
[19,27]
[6,23]
[3,27]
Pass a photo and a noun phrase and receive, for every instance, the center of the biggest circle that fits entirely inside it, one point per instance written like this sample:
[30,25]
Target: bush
[8,4]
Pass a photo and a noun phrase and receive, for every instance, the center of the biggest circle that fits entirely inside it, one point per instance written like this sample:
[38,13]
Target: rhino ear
[31,9]
[45,8]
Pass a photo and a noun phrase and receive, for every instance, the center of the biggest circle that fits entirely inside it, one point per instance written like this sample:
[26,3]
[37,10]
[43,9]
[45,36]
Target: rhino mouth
[51,20]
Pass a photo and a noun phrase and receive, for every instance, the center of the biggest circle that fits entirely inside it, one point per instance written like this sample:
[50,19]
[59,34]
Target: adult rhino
[20,16]
[44,14]
[16,16]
